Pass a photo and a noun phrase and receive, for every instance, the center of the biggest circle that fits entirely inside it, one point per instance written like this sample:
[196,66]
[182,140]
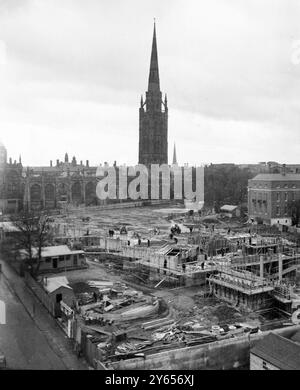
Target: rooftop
[8,227]
[52,251]
[277,177]
[228,207]
[279,351]
[52,284]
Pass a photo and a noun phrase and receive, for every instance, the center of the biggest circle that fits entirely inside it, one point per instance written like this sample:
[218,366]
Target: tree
[294,211]
[34,234]
[225,184]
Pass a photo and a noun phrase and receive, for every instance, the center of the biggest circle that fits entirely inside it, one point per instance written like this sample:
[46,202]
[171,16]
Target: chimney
[284,169]
[87,163]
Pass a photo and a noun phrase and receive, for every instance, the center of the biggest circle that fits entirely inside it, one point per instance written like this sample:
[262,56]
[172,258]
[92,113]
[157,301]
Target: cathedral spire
[174,155]
[153,84]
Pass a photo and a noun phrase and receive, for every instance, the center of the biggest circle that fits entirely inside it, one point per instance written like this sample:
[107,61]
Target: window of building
[61,258]
[285,210]
[286,196]
[278,196]
[48,259]
[68,257]
[278,210]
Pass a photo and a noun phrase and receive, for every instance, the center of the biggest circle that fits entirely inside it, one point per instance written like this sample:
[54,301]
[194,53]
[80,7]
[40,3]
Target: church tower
[153,124]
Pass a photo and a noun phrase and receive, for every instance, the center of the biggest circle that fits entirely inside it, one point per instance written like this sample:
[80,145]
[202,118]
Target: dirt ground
[139,219]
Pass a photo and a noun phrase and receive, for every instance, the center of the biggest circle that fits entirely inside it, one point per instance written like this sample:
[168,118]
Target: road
[31,339]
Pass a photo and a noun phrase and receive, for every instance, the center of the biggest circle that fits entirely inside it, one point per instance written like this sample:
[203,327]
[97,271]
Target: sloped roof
[228,207]
[52,284]
[277,177]
[279,351]
[8,227]
[52,251]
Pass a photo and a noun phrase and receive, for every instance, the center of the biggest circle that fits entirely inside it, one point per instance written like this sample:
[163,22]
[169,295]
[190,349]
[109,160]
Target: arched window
[13,184]
[49,192]
[76,192]
[35,193]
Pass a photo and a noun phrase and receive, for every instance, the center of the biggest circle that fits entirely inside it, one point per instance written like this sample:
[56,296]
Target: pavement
[31,338]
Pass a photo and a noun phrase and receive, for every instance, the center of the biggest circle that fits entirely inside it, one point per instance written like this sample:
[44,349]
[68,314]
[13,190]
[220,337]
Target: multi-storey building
[270,196]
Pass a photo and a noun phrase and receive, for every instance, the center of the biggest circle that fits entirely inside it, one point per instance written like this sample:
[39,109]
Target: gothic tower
[153,125]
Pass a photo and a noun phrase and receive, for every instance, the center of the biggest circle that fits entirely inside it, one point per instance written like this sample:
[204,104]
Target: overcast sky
[72,72]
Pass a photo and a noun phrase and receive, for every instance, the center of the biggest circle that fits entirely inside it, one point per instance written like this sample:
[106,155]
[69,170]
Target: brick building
[269,196]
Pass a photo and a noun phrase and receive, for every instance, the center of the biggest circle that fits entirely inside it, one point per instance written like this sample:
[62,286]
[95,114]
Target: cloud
[74,71]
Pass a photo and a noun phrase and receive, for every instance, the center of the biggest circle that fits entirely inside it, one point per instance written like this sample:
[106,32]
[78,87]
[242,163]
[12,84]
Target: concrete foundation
[221,355]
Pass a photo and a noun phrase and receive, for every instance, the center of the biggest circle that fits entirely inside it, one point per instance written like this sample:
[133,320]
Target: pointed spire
[153,84]
[66,158]
[20,159]
[142,101]
[174,155]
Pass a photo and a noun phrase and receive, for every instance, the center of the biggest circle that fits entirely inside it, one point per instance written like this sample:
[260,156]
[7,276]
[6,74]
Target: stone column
[280,267]
[261,266]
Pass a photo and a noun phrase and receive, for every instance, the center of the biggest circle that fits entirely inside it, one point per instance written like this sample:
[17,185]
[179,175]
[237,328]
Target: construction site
[162,280]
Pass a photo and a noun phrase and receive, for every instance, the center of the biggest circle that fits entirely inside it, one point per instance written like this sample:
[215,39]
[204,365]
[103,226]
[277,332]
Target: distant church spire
[174,155]
[153,84]
[66,158]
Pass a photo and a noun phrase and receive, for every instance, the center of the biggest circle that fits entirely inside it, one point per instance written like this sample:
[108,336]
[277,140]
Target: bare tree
[34,234]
